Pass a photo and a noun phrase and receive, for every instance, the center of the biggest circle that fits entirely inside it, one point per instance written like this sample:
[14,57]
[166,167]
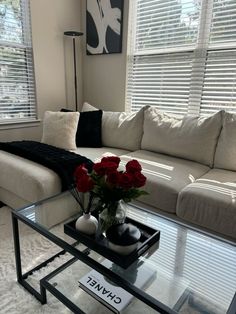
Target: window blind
[223,23]
[162,24]
[219,87]
[162,80]
[182,56]
[17,85]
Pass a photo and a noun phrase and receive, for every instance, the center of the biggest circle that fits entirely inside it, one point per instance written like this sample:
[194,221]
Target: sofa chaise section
[32,181]
[23,182]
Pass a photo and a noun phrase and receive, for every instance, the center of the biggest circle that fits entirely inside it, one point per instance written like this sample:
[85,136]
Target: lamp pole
[74,34]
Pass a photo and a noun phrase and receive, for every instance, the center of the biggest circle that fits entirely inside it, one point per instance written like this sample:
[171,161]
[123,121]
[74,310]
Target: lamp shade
[73,33]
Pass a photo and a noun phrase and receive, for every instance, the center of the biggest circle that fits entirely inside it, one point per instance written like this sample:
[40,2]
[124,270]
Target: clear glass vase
[112,214]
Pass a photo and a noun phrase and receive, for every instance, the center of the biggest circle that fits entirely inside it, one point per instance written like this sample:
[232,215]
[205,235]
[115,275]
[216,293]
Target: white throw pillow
[188,137]
[121,129]
[59,129]
[225,156]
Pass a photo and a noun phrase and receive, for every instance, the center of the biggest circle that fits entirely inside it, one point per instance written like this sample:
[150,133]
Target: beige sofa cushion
[121,129]
[166,177]
[225,156]
[211,202]
[59,129]
[188,137]
[95,154]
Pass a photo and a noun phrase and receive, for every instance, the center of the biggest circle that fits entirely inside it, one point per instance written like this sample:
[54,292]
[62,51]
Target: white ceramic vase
[87,224]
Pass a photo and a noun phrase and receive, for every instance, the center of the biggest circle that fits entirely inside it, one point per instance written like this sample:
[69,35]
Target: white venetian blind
[219,87]
[183,57]
[165,36]
[17,86]
[223,23]
[162,80]
[166,23]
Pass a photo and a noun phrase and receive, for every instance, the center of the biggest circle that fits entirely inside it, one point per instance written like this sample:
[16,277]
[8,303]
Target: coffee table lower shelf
[79,301]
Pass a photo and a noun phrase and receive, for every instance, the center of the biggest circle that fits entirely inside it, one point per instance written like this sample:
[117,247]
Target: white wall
[50,18]
[104,76]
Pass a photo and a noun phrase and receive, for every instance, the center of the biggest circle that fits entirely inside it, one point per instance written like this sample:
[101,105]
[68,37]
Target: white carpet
[14,299]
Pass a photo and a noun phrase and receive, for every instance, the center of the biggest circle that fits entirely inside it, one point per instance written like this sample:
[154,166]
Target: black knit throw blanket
[59,160]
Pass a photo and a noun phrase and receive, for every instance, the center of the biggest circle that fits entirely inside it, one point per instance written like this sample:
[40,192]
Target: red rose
[126,180]
[133,166]
[139,179]
[110,166]
[102,168]
[84,184]
[114,159]
[113,177]
[80,171]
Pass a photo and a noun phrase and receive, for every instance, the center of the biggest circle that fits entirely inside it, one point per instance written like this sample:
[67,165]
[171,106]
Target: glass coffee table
[187,271]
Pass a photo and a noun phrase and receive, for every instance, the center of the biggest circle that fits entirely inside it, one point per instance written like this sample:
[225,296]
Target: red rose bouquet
[107,185]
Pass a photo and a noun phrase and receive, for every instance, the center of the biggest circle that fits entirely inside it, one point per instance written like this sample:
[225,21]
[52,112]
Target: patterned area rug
[14,299]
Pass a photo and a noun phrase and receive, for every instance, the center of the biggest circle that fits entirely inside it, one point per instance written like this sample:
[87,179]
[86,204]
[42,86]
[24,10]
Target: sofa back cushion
[121,129]
[88,107]
[225,156]
[188,137]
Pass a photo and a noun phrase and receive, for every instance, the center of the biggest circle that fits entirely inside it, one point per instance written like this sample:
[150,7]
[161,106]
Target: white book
[112,296]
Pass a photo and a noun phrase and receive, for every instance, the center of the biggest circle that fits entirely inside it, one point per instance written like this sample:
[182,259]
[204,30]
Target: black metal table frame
[78,255]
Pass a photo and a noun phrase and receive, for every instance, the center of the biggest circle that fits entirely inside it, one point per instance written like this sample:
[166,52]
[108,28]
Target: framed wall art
[104,19]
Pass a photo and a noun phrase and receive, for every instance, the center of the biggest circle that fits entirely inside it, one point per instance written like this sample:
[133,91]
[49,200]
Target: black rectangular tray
[99,243]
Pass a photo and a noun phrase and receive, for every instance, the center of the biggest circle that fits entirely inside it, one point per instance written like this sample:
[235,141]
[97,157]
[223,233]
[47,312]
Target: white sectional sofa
[190,165]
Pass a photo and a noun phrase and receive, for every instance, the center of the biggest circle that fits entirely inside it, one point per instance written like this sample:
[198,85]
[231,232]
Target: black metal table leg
[20,277]
[17,248]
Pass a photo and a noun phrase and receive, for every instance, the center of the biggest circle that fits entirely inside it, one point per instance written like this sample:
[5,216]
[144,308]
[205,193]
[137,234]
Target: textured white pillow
[225,156]
[121,129]
[59,129]
[188,137]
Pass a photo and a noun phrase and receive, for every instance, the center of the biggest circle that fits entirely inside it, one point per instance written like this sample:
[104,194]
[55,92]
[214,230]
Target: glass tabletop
[189,270]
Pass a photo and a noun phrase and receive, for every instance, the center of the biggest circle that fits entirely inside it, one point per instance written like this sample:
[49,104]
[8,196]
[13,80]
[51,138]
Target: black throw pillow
[89,131]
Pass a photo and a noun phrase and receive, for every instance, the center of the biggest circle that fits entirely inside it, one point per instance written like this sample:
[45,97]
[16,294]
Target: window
[17,89]
[183,55]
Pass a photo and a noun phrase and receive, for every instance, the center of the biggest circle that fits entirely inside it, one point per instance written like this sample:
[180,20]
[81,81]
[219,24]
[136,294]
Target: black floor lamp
[74,34]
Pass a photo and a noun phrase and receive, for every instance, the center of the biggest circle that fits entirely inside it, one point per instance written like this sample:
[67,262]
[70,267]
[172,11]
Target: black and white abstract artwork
[104,26]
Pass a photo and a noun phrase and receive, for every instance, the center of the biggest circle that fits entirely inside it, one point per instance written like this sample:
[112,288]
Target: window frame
[27,47]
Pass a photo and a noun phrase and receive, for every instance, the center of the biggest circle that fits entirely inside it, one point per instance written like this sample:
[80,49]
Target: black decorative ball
[123,234]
